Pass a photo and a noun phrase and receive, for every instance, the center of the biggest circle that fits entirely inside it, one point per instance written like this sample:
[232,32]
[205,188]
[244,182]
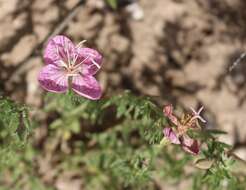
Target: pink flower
[69,66]
[179,134]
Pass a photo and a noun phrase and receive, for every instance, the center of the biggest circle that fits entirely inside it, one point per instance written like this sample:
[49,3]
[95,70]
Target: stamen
[75,59]
[67,52]
[80,44]
[77,66]
[63,64]
[196,115]
[95,63]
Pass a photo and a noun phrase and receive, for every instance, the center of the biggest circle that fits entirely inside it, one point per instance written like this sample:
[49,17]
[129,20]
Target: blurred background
[175,51]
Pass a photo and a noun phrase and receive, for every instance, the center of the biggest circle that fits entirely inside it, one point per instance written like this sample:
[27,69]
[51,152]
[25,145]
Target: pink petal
[53,79]
[168,112]
[190,145]
[87,86]
[92,60]
[171,135]
[59,48]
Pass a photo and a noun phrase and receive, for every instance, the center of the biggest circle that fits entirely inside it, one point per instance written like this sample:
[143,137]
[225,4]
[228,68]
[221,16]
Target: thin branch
[238,60]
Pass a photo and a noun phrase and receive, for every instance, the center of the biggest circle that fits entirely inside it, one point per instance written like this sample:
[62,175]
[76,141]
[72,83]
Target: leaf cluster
[114,143]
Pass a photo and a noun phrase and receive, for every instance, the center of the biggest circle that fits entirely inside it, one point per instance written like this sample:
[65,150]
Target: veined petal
[190,145]
[59,50]
[168,112]
[91,59]
[87,86]
[53,79]
[171,135]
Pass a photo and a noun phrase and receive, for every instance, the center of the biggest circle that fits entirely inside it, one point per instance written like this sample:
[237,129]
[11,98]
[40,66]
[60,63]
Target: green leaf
[112,3]
[216,132]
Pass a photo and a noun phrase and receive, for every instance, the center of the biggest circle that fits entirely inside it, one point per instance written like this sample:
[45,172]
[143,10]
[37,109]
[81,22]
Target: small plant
[179,135]
[15,128]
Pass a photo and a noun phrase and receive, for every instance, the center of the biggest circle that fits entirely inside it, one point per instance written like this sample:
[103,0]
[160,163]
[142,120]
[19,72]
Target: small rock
[8,7]
[48,16]
[42,5]
[20,51]
[33,97]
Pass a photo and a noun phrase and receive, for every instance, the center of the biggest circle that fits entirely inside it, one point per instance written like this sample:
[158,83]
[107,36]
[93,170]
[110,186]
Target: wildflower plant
[69,66]
[119,142]
[179,135]
[15,128]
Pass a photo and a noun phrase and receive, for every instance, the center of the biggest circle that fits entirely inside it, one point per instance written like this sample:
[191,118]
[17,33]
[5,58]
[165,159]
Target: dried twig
[238,60]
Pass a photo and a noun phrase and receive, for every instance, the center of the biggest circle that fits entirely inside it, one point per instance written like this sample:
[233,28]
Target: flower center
[71,61]
[187,121]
